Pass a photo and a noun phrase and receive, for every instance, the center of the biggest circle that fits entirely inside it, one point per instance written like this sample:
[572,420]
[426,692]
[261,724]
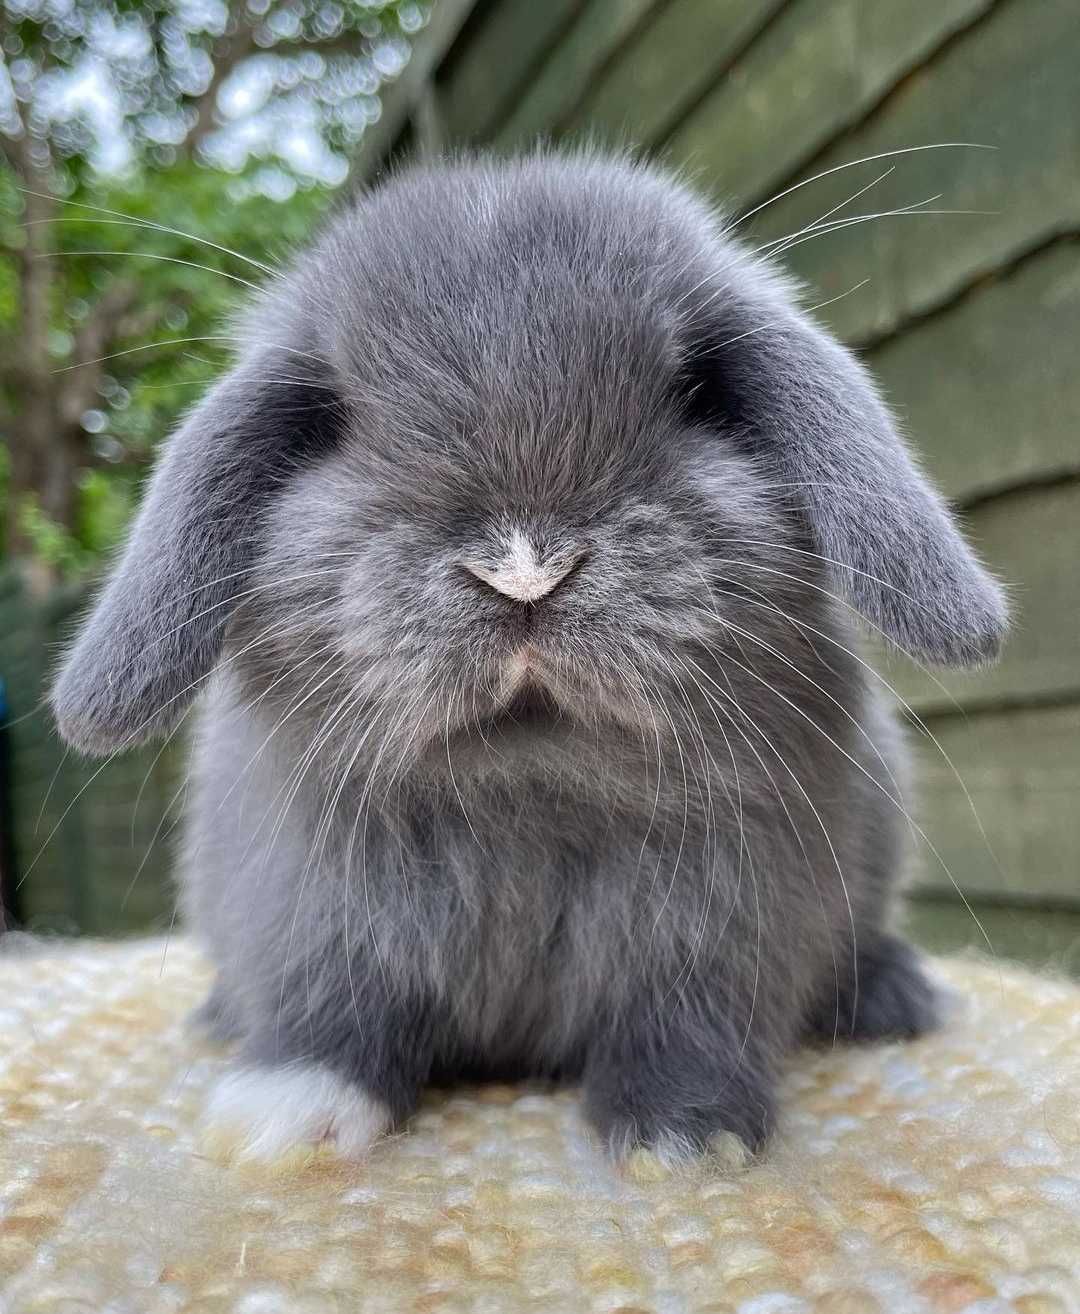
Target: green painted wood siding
[814,72]
[1011,83]
[485,78]
[669,63]
[1021,769]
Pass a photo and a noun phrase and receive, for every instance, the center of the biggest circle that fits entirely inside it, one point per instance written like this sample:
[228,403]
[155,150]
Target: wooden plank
[427,126]
[400,98]
[564,79]
[1022,770]
[481,86]
[815,71]
[669,64]
[1043,938]
[989,390]
[1032,541]
[1011,83]
[128,852]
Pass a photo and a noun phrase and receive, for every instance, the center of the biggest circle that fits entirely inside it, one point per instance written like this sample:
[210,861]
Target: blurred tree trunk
[40,455]
[48,446]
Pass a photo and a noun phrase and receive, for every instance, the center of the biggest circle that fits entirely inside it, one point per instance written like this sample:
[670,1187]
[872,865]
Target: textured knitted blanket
[937,1176]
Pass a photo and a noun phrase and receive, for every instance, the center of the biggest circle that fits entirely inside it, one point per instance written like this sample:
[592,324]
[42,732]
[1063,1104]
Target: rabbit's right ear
[158,626]
[805,409]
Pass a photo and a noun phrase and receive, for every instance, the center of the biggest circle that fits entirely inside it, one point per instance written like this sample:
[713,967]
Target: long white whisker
[168,260]
[777,323]
[685,821]
[907,707]
[841,565]
[851,164]
[715,708]
[877,785]
[867,218]
[786,661]
[179,342]
[817,816]
[147,223]
[125,747]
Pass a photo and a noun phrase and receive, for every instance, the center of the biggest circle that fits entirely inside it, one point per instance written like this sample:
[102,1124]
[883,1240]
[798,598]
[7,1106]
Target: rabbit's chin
[529,728]
[537,728]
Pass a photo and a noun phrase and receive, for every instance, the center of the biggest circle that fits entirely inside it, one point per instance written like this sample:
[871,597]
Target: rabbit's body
[504,912]
[522,541]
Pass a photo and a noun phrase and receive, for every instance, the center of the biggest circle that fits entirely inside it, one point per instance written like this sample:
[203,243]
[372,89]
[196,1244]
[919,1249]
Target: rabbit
[520,566]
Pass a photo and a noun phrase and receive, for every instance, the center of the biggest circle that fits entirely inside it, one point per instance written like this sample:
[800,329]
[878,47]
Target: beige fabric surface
[939,1176]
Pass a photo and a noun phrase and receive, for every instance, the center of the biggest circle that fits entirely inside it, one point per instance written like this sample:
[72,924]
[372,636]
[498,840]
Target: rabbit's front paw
[662,1091]
[283,1116]
[890,998]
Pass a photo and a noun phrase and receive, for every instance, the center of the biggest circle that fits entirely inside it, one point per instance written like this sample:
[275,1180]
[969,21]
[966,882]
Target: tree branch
[233,49]
[346,42]
[230,51]
[29,370]
[9,148]
[102,326]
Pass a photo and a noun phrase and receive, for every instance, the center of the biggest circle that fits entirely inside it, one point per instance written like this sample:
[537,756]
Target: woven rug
[939,1176]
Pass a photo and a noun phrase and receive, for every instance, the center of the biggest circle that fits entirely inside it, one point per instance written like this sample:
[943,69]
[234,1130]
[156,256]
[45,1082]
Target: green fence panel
[93,841]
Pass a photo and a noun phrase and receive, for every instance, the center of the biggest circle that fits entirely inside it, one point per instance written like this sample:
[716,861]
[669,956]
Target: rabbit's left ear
[811,414]
[158,626]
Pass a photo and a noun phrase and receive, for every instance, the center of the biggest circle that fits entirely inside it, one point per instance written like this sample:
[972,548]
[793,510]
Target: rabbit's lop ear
[811,415]
[158,626]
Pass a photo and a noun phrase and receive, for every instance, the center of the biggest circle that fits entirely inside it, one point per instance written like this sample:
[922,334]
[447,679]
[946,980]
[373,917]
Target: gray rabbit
[515,565]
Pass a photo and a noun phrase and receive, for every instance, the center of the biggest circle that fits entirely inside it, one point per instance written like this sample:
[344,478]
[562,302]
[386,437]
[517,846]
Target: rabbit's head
[503,445]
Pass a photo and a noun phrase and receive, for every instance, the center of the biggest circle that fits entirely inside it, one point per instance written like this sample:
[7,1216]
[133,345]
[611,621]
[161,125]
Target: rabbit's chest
[527,937]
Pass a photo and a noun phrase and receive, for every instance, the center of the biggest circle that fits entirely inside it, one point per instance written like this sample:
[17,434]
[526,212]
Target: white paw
[284,1115]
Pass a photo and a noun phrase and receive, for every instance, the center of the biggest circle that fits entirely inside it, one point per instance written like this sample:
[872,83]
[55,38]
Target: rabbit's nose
[521,574]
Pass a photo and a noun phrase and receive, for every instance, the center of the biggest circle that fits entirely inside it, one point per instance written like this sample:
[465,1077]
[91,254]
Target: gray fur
[668,855]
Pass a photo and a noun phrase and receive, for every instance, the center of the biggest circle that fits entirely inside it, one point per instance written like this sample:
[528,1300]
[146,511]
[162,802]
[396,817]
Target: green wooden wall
[971,321]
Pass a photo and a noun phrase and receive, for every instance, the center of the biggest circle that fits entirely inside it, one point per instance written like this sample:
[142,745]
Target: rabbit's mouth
[529,713]
[531,705]
[530,717]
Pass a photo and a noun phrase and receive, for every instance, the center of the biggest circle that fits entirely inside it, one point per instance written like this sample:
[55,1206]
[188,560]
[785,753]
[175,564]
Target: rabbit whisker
[731,699]
[120,217]
[851,164]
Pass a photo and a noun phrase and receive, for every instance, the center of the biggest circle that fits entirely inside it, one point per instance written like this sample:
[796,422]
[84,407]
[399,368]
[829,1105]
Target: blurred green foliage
[192,196]
[177,342]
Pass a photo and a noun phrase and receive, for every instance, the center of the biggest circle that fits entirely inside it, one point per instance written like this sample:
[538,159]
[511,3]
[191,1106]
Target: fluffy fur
[519,555]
